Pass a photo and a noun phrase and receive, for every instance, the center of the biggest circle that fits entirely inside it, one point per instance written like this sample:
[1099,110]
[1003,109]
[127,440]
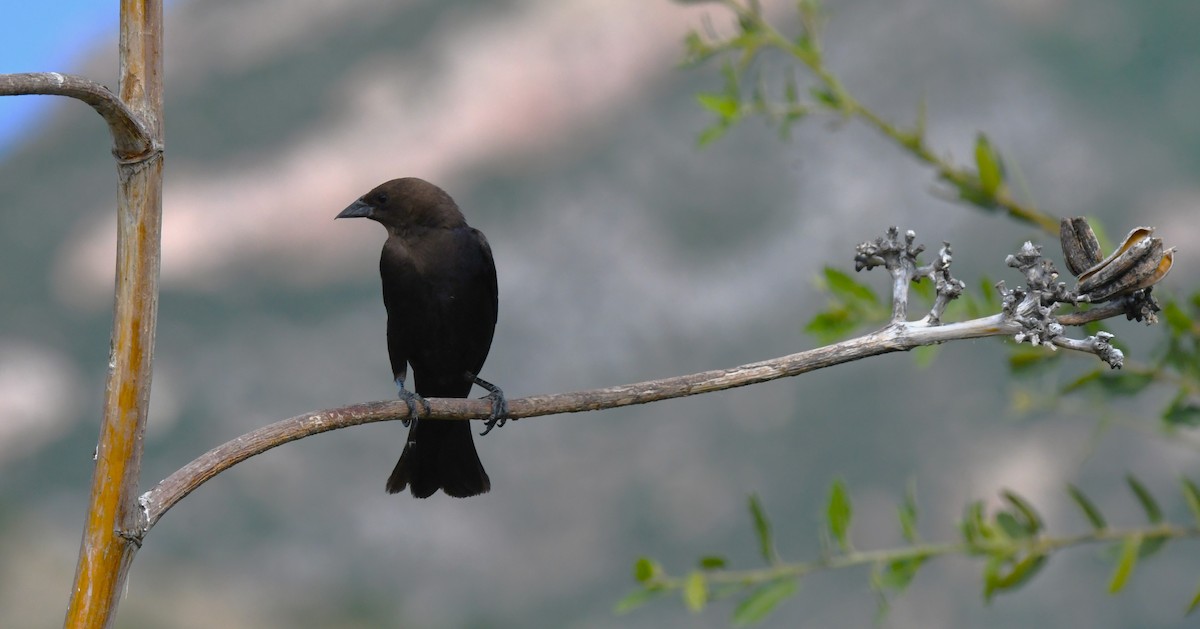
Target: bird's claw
[499,414]
[412,400]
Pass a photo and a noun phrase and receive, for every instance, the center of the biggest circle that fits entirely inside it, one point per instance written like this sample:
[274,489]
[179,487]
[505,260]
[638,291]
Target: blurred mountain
[566,131]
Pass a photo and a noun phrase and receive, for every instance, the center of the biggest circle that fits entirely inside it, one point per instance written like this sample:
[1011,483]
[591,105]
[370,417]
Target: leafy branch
[985,186]
[1011,541]
[1176,362]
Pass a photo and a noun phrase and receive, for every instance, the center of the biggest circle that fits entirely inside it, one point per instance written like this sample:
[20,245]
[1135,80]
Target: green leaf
[762,601]
[1151,545]
[991,169]
[839,514]
[636,599]
[991,576]
[1032,522]
[695,592]
[834,323]
[844,285]
[712,134]
[896,575]
[974,528]
[1191,494]
[1082,381]
[697,50]
[1089,509]
[1149,505]
[1126,382]
[907,513]
[724,105]
[712,562]
[1020,574]
[1128,559]
[1008,523]
[646,569]
[853,304]
[1178,321]
[762,529]
[1194,604]
[826,97]
[1183,410]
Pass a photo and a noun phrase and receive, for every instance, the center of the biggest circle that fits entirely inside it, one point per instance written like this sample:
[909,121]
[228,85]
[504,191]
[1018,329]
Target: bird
[441,297]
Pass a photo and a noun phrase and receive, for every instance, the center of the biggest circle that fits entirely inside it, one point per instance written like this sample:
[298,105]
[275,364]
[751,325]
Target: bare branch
[894,338]
[132,142]
[164,495]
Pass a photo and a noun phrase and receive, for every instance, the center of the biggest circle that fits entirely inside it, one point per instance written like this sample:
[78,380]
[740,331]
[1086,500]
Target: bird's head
[403,204]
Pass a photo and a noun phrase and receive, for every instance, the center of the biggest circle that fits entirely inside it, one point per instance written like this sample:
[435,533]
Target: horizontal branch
[893,338]
[131,140]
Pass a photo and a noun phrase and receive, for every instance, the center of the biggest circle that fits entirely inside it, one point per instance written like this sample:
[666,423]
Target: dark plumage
[439,288]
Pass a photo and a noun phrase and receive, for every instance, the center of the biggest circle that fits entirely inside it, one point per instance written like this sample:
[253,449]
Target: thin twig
[1036,546]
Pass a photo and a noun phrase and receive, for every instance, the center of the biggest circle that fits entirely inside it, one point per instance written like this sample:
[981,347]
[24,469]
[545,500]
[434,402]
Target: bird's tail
[439,455]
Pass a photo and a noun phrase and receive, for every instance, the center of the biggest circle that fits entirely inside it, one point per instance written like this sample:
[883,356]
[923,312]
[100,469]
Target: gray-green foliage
[1010,541]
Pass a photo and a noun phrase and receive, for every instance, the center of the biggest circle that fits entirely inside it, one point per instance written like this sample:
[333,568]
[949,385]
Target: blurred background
[567,133]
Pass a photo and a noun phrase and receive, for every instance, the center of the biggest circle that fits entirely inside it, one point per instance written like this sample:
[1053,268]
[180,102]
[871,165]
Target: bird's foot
[412,400]
[499,415]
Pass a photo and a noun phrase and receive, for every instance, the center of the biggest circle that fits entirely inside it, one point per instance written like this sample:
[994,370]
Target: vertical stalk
[110,536]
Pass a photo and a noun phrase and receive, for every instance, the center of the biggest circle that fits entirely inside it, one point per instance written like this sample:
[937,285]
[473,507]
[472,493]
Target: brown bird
[439,289]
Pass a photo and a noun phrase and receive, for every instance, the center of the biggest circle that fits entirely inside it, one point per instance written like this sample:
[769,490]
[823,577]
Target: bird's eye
[382,198]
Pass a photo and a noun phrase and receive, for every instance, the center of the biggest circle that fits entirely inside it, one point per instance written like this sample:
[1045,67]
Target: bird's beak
[357,209]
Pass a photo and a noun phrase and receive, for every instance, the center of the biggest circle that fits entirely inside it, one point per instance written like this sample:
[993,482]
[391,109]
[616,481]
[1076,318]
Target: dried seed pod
[1135,236]
[1139,262]
[1080,246]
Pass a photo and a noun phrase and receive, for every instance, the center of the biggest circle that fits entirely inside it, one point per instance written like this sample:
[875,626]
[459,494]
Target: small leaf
[846,287]
[1151,545]
[1183,410]
[833,323]
[1149,505]
[1020,573]
[1083,381]
[636,599]
[1128,559]
[839,514]
[1194,604]
[695,592]
[1178,321]
[723,105]
[1032,521]
[907,513]
[991,576]
[1089,509]
[712,563]
[991,169]
[762,529]
[1008,523]
[826,97]
[896,575]
[646,569]
[1125,383]
[711,134]
[762,601]
[973,526]
[1191,494]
